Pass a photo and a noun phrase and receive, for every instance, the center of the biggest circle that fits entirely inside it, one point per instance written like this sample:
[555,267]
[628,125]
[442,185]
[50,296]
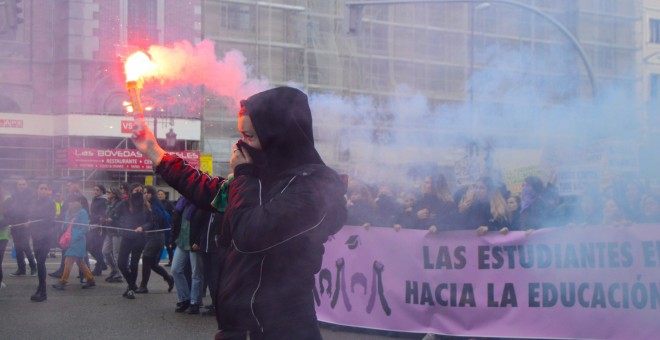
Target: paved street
[101,312]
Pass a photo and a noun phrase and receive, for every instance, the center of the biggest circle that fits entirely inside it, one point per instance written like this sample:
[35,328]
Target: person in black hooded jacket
[281,206]
[133,218]
[17,212]
[42,230]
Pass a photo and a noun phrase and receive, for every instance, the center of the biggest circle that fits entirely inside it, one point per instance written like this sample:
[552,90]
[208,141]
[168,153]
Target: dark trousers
[212,269]
[130,248]
[41,250]
[95,247]
[150,263]
[3,246]
[21,239]
[170,250]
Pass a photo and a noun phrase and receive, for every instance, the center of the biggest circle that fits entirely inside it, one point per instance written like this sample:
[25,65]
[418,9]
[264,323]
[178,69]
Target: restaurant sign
[113,159]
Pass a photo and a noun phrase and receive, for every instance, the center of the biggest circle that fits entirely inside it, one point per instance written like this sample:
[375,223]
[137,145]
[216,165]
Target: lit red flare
[137,67]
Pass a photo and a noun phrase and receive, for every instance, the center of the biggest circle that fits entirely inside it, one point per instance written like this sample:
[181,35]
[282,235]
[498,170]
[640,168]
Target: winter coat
[184,210]
[276,219]
[109,211]
[535,216]
[43,230]
[17,211]
[387,209]
[442,213]
[205,229]
[406,218]
[479,214]
[97,209]
[78,245]
[160,218]
[155,241]
[169,207]
[128,220]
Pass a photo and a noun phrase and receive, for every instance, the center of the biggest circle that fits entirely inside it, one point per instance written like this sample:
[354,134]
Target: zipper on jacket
[208,232]
[254,295]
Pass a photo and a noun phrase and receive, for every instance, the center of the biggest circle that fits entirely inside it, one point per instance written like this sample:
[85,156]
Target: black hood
[282,120]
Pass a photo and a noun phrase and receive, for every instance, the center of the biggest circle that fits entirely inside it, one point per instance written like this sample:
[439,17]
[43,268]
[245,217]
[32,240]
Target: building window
[142,22]
[605,61]
[654,87]
[8,105]
[237,17]
[654,30]
[608,6]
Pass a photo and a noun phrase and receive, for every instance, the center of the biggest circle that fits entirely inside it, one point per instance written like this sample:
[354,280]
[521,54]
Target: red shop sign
[113,159]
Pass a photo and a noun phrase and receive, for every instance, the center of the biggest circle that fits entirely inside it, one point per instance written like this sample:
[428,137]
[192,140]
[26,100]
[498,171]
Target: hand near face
[239,157]
[423,214]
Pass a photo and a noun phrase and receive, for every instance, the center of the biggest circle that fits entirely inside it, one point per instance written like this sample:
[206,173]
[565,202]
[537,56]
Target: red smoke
[183,63]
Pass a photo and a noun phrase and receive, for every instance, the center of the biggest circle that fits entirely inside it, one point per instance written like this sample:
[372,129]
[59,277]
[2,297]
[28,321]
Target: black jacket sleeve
[196,186]
[176,227]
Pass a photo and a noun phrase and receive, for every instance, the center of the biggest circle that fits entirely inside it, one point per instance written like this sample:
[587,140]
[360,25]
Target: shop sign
[11,123]
[114,159]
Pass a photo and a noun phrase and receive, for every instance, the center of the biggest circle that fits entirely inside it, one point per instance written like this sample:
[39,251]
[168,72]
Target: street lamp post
[170,137]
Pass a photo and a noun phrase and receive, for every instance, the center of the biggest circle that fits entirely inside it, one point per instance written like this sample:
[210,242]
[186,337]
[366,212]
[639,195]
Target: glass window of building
[654,87]
[142,22]
[238,17]
[654,30]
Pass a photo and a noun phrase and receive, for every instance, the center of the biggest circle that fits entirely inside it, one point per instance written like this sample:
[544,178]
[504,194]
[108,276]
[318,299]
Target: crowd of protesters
[118,228]
[128,223]
[488,205]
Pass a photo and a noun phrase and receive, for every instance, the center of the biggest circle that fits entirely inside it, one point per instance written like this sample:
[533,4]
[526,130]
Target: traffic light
[14,12]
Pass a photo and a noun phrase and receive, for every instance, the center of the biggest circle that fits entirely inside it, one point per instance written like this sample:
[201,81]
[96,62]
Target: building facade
[62,81]
[64,59]
[465,57]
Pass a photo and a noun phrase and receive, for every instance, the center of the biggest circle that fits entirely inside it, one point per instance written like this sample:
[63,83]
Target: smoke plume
[183,63]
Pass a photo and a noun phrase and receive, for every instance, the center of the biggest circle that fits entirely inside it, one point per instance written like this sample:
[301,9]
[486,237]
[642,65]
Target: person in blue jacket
[77,219]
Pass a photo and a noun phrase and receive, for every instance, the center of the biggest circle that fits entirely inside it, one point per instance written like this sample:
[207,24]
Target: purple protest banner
[596,282]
